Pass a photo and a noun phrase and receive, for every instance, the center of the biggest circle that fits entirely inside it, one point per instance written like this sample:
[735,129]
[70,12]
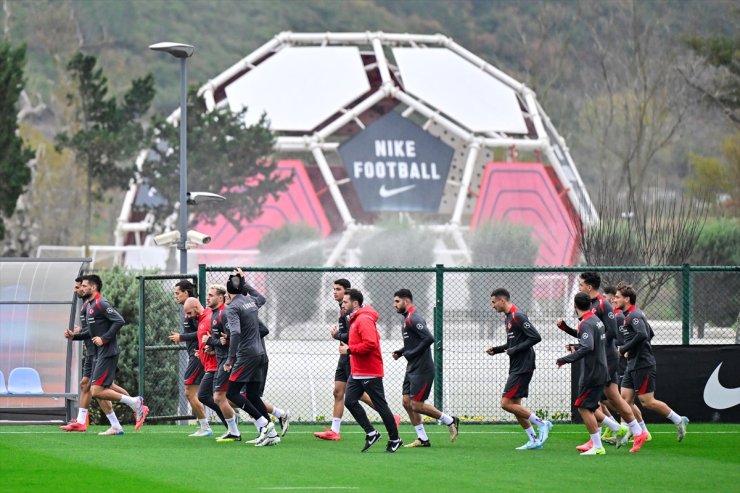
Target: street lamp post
[183,52]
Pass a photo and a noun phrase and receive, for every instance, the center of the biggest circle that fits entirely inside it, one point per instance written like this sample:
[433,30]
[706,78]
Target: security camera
[167,239]
[195,198]
[197,238]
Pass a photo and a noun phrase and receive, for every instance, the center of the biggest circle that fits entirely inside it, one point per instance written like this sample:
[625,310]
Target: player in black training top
[417,383]
[591,353]
[340,332]
[103,323]
[589,283]
[185,289]
[520,337]
[641,369]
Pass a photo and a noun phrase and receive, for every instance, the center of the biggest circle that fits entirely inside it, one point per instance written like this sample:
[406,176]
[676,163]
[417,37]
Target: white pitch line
[305,488]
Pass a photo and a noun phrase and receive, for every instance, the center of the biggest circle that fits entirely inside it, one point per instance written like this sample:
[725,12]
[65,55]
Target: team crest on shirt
[91,311]
[215,322]
[508,326]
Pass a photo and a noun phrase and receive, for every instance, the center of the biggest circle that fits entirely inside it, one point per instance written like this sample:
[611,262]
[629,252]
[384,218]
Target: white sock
[261,422]
[113,420]
[674,417]
[446,419]
[643,426]
[372,433]
[256,426]
[277,412]
[609,421]
[634,427]
[231,425]
[336,424]
[82,416]
[421,432]
[204,424]
[131,402]
[531,434]
[596,438]
[534,419]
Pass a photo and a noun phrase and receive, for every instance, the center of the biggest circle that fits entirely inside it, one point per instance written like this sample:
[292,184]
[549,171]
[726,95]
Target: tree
[661,229]
[718,175]
[719,85]
[14,156]
[106,134]
[224,157]
[638,103]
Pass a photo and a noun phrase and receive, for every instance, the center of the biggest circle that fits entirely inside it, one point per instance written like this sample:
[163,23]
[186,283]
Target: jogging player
[366,365]
[79,424]
[521,336]
[340,332]
[185,289]
[589,283]
[641,368]
[103,324]
[417,383]
[591,352]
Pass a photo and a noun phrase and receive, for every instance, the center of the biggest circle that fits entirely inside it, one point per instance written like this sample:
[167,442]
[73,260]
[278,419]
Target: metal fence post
[439,337]
[687,304]
[202,283]
[142,340]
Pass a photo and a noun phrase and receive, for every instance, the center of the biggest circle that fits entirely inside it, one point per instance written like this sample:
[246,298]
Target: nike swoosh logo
[385,193]
[717,396]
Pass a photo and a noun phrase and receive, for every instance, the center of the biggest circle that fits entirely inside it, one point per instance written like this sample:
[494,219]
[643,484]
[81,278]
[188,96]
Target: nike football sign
[718,396]
[395,165]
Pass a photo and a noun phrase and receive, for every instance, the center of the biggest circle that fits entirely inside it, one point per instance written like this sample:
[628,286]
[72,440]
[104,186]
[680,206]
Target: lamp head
[177,50]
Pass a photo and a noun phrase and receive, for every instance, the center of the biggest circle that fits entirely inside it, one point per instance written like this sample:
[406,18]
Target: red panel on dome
[298,204]
[525,193]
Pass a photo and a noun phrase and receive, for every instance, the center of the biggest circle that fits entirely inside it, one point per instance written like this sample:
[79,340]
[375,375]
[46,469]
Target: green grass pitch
[164,459]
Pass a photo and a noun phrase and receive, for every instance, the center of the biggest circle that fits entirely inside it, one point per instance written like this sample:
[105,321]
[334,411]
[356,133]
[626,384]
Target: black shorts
[418,385]
[642,380]
[517,386]
[221,380]
[247,370]
[87,365]
[343,370]
[589,398]
[194,371]
[104,371]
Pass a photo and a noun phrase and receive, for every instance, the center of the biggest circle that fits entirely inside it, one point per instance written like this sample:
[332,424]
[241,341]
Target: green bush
[500,244]
[717,294]
[296,293]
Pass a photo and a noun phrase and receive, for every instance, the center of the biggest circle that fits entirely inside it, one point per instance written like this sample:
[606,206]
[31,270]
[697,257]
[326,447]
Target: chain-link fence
[162,363]
[685,305]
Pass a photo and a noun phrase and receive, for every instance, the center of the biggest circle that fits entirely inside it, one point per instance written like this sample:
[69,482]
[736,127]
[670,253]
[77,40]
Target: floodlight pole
[183,52]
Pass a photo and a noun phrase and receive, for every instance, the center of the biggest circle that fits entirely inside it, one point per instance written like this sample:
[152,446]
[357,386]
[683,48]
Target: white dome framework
[318,89]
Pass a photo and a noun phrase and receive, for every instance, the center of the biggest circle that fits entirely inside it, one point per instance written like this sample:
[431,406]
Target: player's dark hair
[355,295]
[501,293]
[582,301]
[188,286]
[94,279]
[627,291]
[593,279]
[610,290]
[404,293]
[344,283]
[78,279]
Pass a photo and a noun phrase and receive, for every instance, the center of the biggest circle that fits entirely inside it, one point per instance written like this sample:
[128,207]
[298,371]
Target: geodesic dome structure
[411,124]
